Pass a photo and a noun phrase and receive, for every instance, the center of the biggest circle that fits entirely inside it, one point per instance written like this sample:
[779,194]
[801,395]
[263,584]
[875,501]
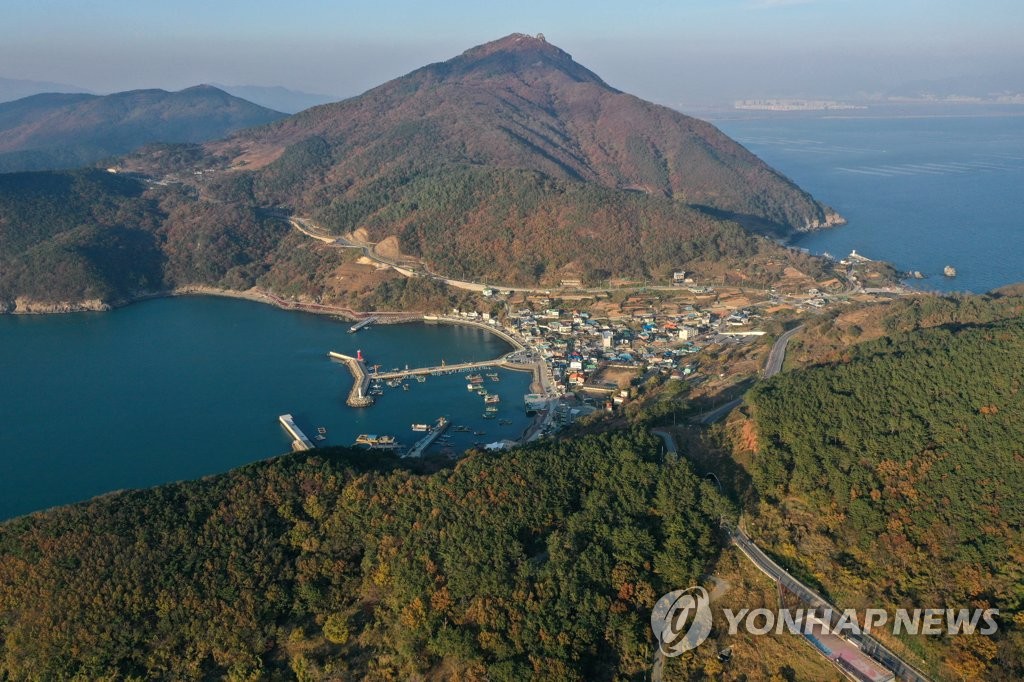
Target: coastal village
[592,351]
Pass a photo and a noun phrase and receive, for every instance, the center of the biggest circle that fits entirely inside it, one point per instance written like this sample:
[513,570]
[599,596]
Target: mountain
[15,88]
[278,98]
[478,163]
[522,103]
[54,130]
[509,164]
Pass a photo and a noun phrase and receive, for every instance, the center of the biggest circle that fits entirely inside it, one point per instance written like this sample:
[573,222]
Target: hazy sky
[670,51]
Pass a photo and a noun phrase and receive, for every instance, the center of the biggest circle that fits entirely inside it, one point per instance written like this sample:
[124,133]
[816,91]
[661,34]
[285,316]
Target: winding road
[773,366]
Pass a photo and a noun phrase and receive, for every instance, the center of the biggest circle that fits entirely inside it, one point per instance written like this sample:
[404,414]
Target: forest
[893,475]
[539,563]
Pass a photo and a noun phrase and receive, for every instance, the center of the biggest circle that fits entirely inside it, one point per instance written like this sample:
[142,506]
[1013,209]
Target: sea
[180,388]
[921,192]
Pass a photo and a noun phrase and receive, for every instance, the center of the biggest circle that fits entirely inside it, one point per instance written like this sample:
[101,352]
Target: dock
[362,323]
[458,367]
[299,440]
[357,397]
[422,444]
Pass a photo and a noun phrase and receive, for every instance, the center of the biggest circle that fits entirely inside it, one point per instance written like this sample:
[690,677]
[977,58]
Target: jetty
[362,323]
[423,443]
[419,371]
[299,440]
[357,397]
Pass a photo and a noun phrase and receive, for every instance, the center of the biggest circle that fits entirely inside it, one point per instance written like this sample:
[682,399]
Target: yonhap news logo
[681,620]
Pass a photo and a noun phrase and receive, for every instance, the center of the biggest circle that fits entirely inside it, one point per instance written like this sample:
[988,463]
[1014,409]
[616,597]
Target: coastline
[29,307]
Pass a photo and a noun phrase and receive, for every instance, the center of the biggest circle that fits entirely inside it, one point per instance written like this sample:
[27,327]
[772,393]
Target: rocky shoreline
[23,306]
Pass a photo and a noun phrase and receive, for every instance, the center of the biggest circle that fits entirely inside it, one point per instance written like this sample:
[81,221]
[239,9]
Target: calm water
[179,388]
[921,193]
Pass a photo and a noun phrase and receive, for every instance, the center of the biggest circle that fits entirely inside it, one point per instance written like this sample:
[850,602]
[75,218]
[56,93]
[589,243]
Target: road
[776,356]
[867,644]
[666,437]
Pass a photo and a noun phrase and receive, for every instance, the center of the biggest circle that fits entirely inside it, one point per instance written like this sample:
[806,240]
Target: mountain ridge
[51,131]
[507,164]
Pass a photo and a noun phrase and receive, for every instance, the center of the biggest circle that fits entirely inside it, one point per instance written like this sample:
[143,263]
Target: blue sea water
[179,388]
[919,192]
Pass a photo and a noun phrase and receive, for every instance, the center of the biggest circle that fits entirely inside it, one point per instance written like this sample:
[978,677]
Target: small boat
[321,430]
[949,271]
[487,415]
[393,383]
[479,433]
[420,427]
[493,376]
[461,429]
[319,436]
[505,422]
[405,387]
[421,378]
[490,409]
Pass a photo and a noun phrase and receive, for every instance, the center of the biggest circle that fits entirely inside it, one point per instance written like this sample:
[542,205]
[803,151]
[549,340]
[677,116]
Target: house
[686,332]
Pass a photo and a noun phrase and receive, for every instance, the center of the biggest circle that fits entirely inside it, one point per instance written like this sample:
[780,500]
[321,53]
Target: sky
[677,52]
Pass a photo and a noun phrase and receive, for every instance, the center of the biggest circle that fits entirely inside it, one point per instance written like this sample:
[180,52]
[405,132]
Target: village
[596,348]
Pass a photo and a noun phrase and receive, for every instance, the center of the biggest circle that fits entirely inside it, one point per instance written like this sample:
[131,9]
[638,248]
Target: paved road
[666,437]
[777,355]
[773,366]
[868,644]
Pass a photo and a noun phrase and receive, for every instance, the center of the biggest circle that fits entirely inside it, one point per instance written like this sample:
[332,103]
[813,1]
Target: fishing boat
[492,398]
[475,378]
[420,427]
[490,409]
[493,376]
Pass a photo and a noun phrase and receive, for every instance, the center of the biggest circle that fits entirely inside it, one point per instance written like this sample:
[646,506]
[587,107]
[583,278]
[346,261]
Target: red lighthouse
[359,355]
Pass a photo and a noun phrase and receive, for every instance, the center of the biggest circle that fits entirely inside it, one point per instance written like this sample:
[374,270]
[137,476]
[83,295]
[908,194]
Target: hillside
[522,103]
[51,131]
[521,131]
[510,164]
[892,477]
[542,563]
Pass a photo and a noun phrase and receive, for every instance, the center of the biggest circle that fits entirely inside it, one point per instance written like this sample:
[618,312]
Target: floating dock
[357,397]
[299,440]
[423,443]
[362,323]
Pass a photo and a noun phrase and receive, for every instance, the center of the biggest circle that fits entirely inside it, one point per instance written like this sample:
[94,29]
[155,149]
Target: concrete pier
[362,323]
[423,443]
[299,440]
[357,397]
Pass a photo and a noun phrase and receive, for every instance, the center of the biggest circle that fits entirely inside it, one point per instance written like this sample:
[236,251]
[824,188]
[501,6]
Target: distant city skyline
[680,53]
